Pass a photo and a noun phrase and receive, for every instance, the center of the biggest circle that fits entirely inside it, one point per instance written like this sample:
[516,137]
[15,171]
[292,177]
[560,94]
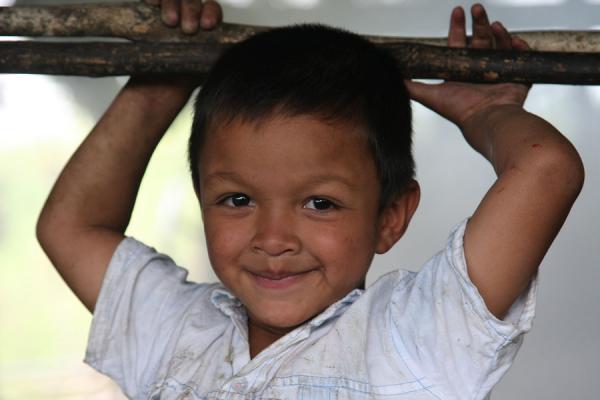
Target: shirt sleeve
[143,302]
[443,329]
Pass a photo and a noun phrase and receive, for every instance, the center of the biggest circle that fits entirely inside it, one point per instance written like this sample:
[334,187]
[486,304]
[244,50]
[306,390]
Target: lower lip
[282,283]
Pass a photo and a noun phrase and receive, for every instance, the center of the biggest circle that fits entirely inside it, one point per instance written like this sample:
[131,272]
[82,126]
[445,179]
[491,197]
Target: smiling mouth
[278,281]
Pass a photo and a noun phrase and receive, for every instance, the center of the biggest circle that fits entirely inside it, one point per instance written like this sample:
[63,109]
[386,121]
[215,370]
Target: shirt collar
[226,302]
[336,309]
[231,306]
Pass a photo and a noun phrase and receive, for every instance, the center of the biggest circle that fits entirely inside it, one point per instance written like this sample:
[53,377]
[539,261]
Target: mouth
[279,281]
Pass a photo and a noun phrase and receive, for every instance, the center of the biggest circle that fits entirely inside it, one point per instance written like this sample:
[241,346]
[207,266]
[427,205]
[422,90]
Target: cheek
[224,241]
[344,247]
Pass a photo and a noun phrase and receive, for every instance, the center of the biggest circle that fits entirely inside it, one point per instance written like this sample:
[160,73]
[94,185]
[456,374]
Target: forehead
[303,145]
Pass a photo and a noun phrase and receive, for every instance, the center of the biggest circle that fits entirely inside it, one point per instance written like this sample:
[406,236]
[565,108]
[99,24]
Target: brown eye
[320,204]
[237,200]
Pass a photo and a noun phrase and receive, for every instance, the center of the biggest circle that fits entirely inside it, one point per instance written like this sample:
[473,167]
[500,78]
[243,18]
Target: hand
[459,102]
[190,14]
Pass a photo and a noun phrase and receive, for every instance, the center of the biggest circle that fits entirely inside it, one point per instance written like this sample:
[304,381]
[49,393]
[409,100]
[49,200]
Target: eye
[320,204]
[236,200]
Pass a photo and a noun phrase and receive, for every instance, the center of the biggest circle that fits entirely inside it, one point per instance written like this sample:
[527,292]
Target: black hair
[313,70]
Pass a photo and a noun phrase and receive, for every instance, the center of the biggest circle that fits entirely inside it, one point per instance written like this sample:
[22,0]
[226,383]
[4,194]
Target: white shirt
[425,335]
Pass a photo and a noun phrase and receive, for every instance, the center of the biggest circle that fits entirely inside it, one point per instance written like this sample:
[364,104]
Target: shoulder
[149,317]
[449,260]
[436,323]
[134,260]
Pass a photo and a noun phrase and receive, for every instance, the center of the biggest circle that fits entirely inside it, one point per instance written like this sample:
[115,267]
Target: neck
[261,336]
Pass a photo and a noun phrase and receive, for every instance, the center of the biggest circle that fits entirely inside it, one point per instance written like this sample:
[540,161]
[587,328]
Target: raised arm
[88,210]
[539,172]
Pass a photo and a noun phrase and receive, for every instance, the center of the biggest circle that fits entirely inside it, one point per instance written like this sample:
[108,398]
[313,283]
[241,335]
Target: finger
[501,36]
[519,43]
[483,38]
[212,15]
[420,91]
[169,11]
[457,35]
[190,15]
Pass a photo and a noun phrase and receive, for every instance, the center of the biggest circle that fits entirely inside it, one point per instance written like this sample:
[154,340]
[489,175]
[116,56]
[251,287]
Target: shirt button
[240,385]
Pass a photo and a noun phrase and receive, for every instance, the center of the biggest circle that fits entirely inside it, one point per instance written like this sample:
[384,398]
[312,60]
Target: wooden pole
[567,57]
[417,61]
[141,22]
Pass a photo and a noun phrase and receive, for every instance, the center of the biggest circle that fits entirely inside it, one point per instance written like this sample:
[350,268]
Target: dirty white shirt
[425,335]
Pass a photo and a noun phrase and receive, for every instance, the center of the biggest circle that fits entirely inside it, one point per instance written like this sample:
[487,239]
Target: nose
[275,233]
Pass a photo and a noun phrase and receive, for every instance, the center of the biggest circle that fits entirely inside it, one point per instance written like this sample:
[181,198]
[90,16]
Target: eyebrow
[327,178]
[225,176]
[318,179]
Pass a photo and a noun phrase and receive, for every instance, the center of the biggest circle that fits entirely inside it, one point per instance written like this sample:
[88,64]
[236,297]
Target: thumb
[422,92]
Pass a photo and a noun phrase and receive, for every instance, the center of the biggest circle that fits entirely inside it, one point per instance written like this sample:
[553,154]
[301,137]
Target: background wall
[43,327]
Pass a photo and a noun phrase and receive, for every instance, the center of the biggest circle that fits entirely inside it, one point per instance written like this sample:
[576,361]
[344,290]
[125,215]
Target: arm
[539,177]
[539,172]
[88,210]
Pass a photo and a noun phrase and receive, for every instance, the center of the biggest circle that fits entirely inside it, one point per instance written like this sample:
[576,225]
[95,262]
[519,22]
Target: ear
[393,219]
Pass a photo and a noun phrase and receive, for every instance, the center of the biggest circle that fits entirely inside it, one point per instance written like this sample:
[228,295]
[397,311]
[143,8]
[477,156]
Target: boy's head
[301,157]
[316,70]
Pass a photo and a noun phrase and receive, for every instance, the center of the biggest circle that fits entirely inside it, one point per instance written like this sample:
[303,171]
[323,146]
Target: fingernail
[170,18]
[207,22]
[189,27]
[458,12]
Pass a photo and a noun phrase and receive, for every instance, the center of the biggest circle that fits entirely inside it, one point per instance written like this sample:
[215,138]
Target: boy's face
[290,210]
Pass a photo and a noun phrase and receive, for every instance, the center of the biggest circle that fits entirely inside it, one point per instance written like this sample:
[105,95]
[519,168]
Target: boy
[300,157]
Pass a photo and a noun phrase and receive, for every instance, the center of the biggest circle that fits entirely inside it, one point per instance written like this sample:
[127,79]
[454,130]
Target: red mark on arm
[536,145]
